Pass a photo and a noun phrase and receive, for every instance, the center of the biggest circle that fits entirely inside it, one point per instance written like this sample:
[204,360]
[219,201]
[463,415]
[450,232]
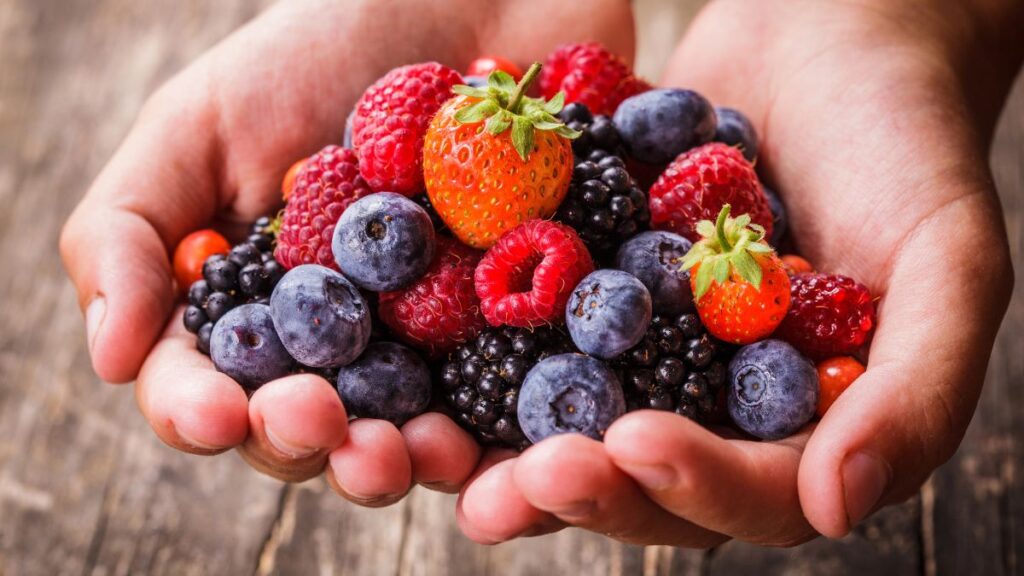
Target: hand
[210,148]
[873,129]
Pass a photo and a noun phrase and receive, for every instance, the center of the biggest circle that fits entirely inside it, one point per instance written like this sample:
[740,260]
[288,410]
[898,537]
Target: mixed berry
[533,266]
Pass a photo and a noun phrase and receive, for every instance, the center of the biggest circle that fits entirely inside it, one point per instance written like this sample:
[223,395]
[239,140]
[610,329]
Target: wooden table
[86,488]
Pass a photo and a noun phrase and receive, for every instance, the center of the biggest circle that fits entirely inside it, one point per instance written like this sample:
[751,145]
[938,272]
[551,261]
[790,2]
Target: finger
[116,244]
[573,478]
[443,455]
[294,423]
[908,412]
[372,468]
[745,489]
[491,509]
[190,405]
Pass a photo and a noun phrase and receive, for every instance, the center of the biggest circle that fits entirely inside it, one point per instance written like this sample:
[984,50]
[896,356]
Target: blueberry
[608,313]
[245,346]
[779,219]
[658,125]
[321,317]
[346,139]
[384,242]
[476,81]
[735,129]
[389,382]
[773,390]
[569,393]
[655,258]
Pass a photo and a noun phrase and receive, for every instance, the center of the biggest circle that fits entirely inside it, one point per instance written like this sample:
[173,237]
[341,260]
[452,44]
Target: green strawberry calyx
[728,245]
[504,104]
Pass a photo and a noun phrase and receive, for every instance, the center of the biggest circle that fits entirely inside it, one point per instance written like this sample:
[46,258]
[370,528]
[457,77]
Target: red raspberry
[526,278]
[699,182]
[441,310]
[829,315]
[591,75]
[323,189]
[391,120]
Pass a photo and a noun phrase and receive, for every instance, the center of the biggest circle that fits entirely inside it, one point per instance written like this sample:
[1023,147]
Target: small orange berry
[192,251]
[289,178]
[834,376]
[796,265]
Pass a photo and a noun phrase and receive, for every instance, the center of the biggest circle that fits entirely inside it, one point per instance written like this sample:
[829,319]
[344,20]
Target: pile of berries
[512,262]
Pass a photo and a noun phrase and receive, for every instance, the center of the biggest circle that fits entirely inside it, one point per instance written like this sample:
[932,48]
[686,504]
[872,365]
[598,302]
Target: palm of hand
[868,138]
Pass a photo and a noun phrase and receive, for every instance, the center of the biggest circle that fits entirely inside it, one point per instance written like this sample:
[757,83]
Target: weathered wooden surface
[86,488]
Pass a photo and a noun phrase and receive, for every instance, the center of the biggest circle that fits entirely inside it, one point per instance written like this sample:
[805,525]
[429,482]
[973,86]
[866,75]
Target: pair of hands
[867,130]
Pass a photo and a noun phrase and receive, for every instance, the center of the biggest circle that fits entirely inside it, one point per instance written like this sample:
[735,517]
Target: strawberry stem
[720,229]
[524,84]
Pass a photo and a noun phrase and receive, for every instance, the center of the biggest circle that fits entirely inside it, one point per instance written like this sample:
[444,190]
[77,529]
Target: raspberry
[323,189]
[527,277]
[441,309]
[829,315]
[591,75]
[699,182]
[391,120]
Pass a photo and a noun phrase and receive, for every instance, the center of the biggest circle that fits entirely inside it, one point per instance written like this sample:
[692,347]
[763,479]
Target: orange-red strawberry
[740,286]
[494,158]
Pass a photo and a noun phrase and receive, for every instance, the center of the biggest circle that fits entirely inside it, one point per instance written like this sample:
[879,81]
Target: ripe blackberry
[604,203]
[597,132]
[677,367]
[481,380]
[248,273]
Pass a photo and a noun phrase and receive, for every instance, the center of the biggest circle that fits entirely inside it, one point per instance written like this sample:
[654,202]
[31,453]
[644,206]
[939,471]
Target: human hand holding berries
[872,132]
[210,148]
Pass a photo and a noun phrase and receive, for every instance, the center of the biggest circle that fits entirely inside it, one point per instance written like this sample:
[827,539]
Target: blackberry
[597,132]
[677,367]
[481,380]
[604,203]
[248,273]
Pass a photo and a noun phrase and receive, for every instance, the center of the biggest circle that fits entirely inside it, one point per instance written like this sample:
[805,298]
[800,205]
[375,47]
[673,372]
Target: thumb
[907,413]
[116,244]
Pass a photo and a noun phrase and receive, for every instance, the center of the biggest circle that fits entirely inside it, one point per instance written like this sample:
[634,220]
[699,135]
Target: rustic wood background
[86,488]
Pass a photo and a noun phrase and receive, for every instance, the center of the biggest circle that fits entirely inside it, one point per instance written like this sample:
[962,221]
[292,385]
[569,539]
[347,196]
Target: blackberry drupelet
[481,380]
[677,367]
[248,273]
[604,203]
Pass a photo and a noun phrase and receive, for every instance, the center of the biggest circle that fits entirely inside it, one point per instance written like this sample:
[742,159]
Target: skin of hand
[875,127]
[210,149]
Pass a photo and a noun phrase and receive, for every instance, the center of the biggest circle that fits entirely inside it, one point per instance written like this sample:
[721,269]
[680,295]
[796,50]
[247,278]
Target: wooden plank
[979,494]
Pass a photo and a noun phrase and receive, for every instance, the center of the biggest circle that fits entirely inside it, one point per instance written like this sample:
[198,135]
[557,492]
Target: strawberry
[484,179]
[590,74]
[390,121]
[699,182]
[740,286]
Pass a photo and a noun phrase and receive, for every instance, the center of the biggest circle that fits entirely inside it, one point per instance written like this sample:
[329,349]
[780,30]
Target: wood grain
[86,488]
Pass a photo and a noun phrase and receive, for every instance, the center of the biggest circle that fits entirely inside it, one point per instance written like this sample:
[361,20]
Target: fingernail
[287,448]
[94,315]
[654,476]
[865,477]
[195,443]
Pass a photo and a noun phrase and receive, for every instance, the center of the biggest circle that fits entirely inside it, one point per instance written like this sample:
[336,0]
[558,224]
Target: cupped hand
[210,149]
[874,129]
